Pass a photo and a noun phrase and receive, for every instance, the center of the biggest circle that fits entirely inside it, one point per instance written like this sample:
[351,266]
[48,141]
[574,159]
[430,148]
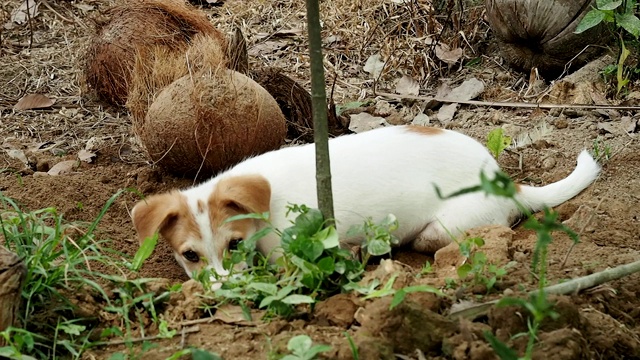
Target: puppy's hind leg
[433,237]
[457,216]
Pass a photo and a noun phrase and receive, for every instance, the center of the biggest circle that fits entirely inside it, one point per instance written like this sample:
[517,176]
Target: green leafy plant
[302,348]
[620,14]
[497,142]
[483,273]
[312,266]
[601,150]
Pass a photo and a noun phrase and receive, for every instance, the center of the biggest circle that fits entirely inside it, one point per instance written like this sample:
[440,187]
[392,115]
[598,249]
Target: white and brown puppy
[391,170]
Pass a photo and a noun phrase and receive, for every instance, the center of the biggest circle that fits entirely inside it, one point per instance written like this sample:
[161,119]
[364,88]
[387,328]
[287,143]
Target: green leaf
[399,296]
[198,354]
[270,289]
[72,329]
[629,22]
[464,270]
[143,253]
[591,19]
[296,299]
[299,344]
[340,108]
[310,222]
[502,350]
[250,243]
[497,142]
[377,247]
[608,4]
[264,216]
[326,265]
[329,237]
[314,351]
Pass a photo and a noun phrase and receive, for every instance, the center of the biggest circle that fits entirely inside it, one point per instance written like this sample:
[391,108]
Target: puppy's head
[193,221]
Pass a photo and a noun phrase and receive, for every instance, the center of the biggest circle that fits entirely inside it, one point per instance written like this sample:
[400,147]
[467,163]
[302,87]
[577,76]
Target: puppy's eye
[233,244]
[191,256]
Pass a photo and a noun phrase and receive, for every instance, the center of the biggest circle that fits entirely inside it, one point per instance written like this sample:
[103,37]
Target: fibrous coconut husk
[540,34]
[157,67]
[208,121]
[134,27]
[295,103]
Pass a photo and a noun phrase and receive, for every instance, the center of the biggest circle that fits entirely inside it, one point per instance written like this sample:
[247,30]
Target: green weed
[621,16]
[302,348]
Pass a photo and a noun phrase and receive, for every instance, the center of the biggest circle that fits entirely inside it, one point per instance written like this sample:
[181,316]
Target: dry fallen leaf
[19,15]
[62,168]
[374,65]
[407,86]
[17,154]
[364,122]
[33,101]
[449,56]
[86,156]
[233,314]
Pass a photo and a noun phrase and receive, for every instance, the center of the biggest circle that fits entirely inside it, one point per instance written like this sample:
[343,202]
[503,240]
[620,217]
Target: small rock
[396,119]
[338,310]
[446,113]
[421,120]
[40,174]
[383,109]
[549,163]
[519,256]
[508,292]
[629,124]
[561,123]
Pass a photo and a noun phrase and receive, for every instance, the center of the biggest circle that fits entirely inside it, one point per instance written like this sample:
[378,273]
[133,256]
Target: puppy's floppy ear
[244,194]
[155,213]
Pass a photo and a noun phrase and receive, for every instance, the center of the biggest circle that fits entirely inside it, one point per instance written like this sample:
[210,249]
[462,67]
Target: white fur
[392,170]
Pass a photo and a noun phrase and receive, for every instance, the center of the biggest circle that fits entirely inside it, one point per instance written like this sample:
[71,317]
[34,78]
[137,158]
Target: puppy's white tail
[536,198]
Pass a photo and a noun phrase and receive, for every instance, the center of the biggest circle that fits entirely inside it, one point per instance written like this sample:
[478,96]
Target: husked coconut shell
[540,33]
[135,27]
[207,122]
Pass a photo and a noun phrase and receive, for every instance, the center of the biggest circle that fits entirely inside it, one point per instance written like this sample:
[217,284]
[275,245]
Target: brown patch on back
[424,130]
[167,214]
[238,195]
[518,188]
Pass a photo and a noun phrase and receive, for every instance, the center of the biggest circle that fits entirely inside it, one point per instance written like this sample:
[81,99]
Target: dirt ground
[598,323]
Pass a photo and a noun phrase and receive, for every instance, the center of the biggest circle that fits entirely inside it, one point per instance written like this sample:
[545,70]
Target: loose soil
[598,323]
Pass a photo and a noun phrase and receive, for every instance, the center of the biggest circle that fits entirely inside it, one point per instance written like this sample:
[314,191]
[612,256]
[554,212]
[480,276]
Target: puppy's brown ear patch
[243,194]
[424,130]
[157,213]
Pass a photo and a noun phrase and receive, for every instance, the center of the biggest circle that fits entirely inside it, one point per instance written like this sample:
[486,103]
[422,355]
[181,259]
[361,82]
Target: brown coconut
[208,121]
[136,25]
[540,34]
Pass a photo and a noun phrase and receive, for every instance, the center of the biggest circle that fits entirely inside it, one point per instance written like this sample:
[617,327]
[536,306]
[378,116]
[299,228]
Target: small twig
[197,321]
[45,3]
[565,288]
[30,25]
[146,338]
[566,257]
[509,104]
